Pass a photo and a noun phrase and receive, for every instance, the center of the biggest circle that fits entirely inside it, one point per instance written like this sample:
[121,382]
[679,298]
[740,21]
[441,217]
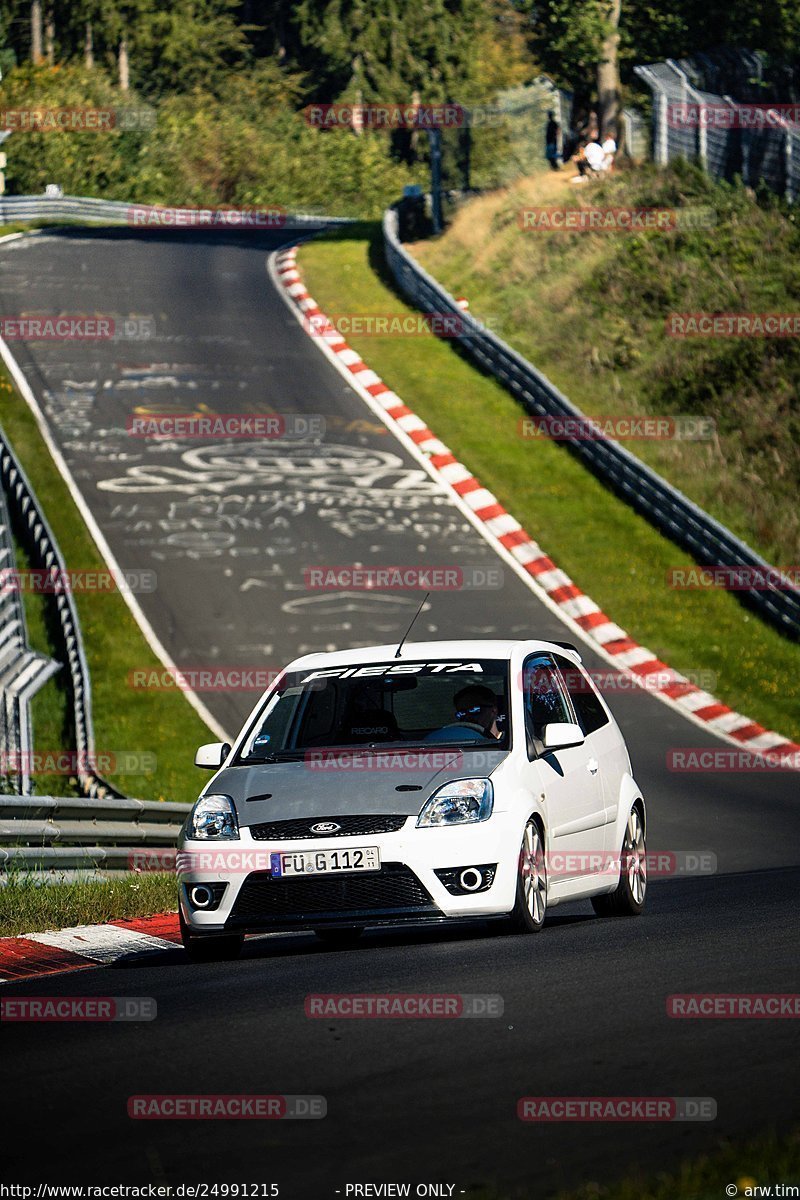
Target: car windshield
[445,703]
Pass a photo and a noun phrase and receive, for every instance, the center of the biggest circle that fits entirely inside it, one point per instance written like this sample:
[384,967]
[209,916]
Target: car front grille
[349,826]
[393,893]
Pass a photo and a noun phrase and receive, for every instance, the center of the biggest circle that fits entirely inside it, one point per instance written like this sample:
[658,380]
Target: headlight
[213,817]
[461,802]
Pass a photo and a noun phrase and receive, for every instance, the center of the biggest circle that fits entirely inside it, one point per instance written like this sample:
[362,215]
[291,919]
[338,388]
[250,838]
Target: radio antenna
[408,631]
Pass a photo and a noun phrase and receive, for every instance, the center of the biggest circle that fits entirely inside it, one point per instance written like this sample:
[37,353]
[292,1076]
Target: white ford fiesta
[440,780]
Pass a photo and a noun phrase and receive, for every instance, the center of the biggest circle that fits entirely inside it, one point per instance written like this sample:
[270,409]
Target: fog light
[201,896]
[462,881]
[471,879]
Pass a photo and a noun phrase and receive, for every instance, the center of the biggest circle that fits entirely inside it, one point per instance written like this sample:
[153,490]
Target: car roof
[461,651]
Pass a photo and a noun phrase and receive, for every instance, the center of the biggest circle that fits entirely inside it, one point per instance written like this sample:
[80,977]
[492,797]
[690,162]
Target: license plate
[325,862]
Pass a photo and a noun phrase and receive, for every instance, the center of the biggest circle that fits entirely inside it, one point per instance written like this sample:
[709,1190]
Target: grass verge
[614,555]
[159,723]
[592,311]
[26,906]
[763,1160]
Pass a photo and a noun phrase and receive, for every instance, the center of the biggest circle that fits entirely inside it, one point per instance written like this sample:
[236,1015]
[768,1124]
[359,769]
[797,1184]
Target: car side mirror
[212,755]
[559,735]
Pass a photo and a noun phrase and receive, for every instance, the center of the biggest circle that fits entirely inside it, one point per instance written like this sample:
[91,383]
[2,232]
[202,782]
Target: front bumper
[406,888]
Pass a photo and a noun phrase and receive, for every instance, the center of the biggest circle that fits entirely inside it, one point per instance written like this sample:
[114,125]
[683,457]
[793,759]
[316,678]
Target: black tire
[628,899]
[213,947]
[340,937]
[530,907]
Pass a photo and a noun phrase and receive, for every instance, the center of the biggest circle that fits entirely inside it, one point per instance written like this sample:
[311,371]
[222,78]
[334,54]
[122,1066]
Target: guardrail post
[662,140]
[435,136]
[702,135]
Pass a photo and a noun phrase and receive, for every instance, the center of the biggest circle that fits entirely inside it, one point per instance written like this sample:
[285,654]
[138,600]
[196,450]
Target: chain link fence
[758,141]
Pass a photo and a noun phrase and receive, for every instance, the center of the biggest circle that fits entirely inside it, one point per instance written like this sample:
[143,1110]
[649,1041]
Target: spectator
[591,160]
[609,148]
[552,136]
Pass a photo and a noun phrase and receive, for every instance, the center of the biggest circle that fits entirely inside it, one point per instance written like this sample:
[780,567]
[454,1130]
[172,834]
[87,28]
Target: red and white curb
[56,951]
[552,585]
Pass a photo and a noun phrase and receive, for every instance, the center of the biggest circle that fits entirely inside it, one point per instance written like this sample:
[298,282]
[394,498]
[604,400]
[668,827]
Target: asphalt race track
[229,530]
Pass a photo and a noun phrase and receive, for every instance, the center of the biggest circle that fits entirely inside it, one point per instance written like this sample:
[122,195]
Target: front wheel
[212,947]
[627,900]
[530,906]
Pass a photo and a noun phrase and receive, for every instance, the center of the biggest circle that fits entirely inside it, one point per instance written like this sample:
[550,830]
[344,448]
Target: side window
[588,707]
[544,697]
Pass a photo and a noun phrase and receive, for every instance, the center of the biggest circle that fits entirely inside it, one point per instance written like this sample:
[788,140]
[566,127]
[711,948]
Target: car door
[569,778]
[602,736]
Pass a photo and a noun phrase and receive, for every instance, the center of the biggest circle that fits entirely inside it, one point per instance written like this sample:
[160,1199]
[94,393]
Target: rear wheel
[340,937]
[627,900]
[211,947]
[530,906]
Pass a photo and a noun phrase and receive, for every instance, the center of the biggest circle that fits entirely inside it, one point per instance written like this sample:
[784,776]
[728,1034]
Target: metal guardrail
[22,670]
[69,837]
[121,212]
[44,553]
[669,510]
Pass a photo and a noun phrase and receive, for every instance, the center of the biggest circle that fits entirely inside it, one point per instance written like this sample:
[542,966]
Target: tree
[387,49]
[608,97]
[36,31]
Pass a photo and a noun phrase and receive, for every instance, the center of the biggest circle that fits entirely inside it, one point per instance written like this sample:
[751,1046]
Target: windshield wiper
[276,757]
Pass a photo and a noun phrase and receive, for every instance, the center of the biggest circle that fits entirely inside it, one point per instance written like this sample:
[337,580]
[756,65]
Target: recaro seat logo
[325,827]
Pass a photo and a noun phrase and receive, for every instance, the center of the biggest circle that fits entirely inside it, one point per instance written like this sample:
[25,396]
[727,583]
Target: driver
[476,707]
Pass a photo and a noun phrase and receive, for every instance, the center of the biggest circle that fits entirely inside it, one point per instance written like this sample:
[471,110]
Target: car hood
[397,783]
